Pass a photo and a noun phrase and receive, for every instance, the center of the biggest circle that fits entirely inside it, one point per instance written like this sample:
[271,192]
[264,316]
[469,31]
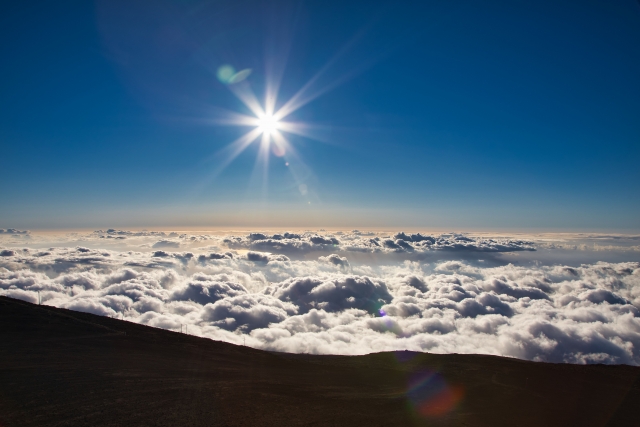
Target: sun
[269,126]
[267,123]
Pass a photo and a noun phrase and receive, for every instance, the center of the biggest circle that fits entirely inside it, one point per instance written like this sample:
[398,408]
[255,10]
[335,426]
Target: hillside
[65,368]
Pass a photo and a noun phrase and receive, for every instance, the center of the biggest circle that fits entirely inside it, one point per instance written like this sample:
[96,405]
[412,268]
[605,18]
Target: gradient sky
[469,115]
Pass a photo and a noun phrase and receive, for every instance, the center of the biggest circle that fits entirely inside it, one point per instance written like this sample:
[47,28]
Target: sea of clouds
[349,292]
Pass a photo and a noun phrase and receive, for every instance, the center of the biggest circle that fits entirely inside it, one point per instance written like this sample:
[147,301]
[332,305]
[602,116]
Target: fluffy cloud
[291,243]
[333,304]
[332,294]
[166,244]
[12,231]
[204,289]
[247,312]
[335,260]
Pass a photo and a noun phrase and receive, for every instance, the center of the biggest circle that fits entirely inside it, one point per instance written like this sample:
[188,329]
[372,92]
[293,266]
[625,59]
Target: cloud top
[14,232]
[291,243]
[331,304]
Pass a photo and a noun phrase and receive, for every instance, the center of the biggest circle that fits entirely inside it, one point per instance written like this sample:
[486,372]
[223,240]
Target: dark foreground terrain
[64,368]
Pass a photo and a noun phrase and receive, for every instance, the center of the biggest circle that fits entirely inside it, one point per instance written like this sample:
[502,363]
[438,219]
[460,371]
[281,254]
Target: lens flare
[431,396]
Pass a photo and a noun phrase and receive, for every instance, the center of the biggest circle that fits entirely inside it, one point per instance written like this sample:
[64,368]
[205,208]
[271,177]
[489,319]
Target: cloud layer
[357,242]
[328,304]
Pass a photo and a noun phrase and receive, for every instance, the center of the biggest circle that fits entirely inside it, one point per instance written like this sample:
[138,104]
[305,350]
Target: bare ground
[64,368]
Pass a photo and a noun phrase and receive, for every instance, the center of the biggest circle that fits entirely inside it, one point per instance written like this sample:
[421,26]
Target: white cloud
[13,231]
[335,260]
[291,243]
[166,244]
[332,304]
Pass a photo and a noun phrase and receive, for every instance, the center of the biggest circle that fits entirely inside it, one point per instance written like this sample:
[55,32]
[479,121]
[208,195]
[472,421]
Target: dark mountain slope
[64,368]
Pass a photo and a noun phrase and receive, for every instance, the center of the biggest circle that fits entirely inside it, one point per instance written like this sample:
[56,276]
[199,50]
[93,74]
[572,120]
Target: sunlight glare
[267,124]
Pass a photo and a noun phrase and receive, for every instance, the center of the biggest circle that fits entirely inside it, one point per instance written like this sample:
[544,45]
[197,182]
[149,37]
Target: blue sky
[504,114]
